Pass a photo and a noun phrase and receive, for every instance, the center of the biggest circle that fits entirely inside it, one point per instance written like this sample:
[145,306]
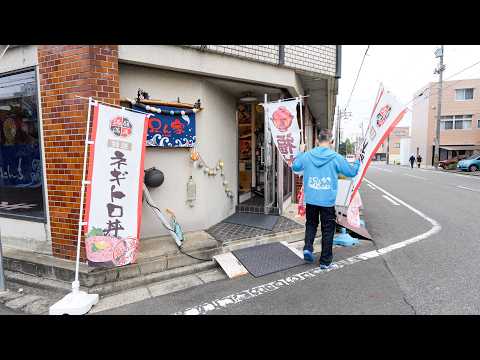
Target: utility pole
[388,150]
[439,71]
[340,114]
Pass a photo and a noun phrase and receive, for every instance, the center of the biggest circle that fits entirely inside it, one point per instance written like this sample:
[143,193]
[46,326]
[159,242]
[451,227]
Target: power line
[446,87]
[358,74]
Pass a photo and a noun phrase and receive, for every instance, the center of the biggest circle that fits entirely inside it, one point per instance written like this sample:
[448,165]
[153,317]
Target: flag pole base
[345,239]
[76,303]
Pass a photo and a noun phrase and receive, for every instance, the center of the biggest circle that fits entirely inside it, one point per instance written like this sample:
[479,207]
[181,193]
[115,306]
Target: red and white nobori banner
[386,114]
[114,196]
[282,118]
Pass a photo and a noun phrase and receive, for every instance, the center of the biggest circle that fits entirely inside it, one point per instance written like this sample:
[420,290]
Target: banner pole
[302,138]
[2,275]
[76,283]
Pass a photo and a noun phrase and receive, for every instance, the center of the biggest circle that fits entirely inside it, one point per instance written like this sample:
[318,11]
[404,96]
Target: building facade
[459,123]
[43,112]
[390,148]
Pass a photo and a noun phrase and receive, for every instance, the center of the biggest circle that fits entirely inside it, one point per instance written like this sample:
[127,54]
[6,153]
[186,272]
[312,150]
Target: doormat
[267,258]
[260,221]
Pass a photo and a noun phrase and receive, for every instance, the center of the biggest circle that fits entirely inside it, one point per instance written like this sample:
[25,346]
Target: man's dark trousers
[328,221]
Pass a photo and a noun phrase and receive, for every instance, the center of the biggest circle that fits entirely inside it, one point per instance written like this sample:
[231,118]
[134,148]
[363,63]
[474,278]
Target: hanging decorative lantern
[199,164]
[225,182]
[220,164]
[194,155]
[206,170]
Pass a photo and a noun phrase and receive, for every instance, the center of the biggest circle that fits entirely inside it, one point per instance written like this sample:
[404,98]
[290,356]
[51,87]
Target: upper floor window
[456,122]
[464,94]
[396,145]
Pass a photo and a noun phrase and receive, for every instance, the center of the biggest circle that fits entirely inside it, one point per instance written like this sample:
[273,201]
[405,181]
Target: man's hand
[302,148]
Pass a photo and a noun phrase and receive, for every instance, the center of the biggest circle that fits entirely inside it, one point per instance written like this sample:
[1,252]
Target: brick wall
[66,71]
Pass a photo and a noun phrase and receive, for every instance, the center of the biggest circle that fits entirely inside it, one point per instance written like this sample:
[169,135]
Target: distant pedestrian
[321,167]
[412,160]
[419,160]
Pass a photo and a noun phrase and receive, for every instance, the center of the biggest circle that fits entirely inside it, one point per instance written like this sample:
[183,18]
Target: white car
[350,158]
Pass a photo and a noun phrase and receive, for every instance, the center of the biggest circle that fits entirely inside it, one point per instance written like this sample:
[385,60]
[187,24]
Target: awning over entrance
[460,147]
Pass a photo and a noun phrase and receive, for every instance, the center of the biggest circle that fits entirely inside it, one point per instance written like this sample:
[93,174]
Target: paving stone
[38,307]
[20,302]
[9,295]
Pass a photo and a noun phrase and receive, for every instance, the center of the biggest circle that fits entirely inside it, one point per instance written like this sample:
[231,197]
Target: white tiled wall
[312,58]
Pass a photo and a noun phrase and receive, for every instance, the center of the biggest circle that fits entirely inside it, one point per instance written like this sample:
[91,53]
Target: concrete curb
[157,289]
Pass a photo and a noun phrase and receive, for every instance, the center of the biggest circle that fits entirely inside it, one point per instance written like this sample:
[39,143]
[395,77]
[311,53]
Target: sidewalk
[453,171]
[38,281]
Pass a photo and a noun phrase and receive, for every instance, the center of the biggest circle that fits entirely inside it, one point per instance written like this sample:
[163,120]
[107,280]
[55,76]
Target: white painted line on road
[371,187]
[377,168]
[467,188]
[391,200]
[416,177]
[272,286]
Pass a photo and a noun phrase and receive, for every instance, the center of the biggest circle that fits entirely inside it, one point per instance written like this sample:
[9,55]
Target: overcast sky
[403,69]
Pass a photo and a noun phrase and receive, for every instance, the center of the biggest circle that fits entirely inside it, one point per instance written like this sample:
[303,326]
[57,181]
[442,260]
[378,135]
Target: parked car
[471,163]
[350,158]
[444,164]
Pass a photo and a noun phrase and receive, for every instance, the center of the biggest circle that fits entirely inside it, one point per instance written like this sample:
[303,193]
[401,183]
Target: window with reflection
[21,184]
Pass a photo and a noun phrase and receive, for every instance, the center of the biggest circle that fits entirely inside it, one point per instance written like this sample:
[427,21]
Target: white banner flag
[387,113]
[282,118]
[114,196]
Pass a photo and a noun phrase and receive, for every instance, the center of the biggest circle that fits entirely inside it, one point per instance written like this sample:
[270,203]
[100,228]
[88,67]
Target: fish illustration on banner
[114,194]
[170,130]
[282,119]
[386,114]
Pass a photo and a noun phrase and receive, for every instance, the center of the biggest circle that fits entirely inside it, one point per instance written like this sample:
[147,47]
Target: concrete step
[159,260]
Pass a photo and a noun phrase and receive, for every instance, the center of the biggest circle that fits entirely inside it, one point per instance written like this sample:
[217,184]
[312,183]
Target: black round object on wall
[153,177]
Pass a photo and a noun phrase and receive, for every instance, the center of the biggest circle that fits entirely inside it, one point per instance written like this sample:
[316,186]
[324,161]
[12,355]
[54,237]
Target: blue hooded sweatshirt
[321,167]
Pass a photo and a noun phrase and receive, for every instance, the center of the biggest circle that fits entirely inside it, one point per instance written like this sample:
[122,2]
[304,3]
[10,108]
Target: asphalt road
[433,273]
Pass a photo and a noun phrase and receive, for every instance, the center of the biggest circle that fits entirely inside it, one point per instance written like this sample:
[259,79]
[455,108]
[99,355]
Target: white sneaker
[332,266]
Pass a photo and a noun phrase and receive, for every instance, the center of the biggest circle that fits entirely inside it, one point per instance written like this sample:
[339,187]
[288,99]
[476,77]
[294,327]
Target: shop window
[21,180]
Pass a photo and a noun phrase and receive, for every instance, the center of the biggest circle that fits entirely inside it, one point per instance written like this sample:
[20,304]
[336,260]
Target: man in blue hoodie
[321,167]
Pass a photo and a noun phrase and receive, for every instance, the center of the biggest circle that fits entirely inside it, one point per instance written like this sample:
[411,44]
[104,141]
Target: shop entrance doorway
[265,181]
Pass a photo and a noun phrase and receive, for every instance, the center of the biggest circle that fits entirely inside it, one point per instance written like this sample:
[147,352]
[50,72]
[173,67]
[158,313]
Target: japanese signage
[172,128]
[387,113]
[114,195]
[282,119]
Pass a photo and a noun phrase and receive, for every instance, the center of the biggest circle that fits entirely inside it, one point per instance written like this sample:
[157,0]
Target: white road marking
[467,188]
[380,169]
[416,177]
[391,200]
[370,186]
[272,286]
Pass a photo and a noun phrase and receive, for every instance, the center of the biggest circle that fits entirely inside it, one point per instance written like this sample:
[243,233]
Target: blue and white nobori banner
[20,166]
[165,130]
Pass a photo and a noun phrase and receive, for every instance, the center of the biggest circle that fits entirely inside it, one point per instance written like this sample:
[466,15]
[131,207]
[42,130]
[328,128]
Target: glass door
[269,174]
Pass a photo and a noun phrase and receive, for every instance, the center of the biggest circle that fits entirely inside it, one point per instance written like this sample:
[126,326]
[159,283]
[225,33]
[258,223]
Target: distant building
[392,145]
[460,120]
